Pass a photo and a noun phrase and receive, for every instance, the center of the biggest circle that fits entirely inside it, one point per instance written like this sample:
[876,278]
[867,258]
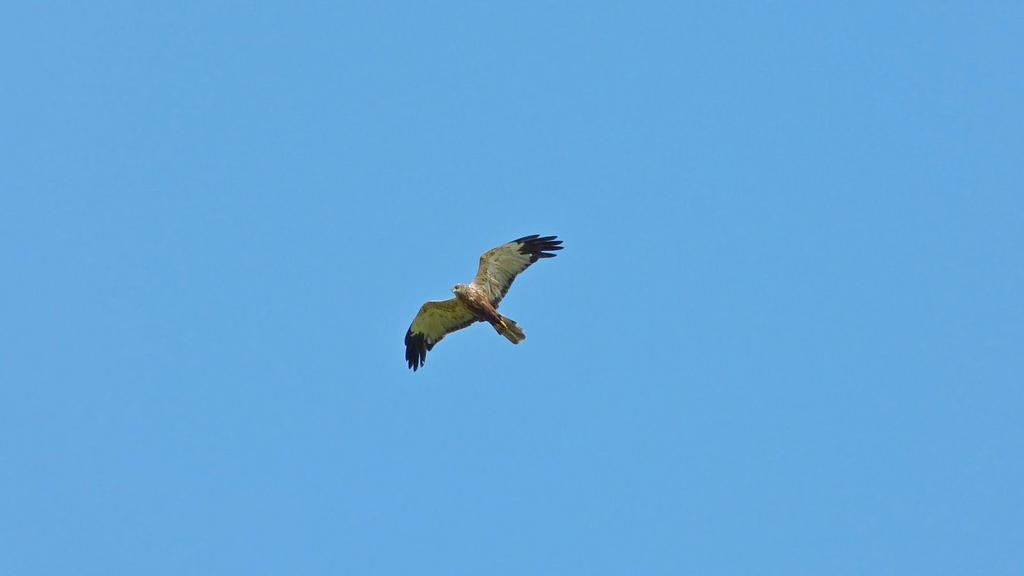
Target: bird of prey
[478,301]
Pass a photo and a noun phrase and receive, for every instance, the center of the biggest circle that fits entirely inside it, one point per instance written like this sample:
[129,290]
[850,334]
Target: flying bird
[478,301]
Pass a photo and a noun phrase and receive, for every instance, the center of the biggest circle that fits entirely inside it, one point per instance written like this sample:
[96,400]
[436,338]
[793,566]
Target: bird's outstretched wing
[434,321]
[500,266]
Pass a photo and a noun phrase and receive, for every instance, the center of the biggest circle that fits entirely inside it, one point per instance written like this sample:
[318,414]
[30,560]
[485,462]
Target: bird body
[478,300]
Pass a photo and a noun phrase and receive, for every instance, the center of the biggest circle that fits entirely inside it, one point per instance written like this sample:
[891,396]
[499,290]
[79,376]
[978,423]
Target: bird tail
[508,328]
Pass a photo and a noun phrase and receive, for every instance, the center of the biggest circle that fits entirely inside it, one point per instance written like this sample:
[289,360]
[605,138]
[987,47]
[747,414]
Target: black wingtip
[538,246]
[415,350]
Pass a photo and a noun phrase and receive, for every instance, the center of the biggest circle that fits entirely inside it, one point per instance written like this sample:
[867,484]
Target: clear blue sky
[786,335]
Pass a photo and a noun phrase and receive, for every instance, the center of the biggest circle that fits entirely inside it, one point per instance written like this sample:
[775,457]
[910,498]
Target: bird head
[457,288]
